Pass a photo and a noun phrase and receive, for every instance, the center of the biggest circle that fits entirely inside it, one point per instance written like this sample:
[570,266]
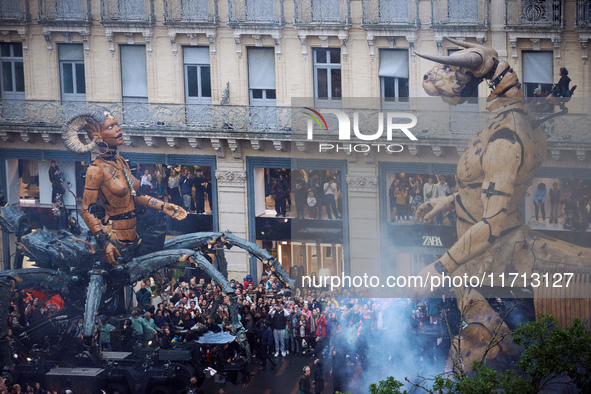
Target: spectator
[294,319]
[330,192]
[562,88]
[280,195]
[279,317]
[540,102]
[318,191]
[200,183]
[554,201]
[311,205]
[539,200]
[248,281]
[146,183]
[429,190]
[173,188]
[302,333]
[186,184]
[264,340]
[300,193]
[56,178]
[160,187]
[397,200]
[165,338]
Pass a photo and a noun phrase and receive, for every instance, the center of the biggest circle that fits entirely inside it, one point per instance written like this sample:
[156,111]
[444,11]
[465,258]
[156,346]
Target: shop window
[298,194]
[406,192]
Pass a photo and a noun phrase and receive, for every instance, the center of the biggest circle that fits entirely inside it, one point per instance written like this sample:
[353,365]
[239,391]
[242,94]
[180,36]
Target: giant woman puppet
[109,179]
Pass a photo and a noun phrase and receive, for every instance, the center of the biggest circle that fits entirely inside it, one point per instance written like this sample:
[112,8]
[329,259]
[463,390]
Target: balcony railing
[255,12]
[459,13]
[164,117]
[191,11]
[127,11]
[64,11]
[434,126]
[322,13]
[583,14]
[14,11]
[534,14]
[386,13]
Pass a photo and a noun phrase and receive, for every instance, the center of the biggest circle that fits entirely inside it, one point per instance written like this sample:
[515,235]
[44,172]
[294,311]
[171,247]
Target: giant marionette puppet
[109,179]
[67,263]
[494,173]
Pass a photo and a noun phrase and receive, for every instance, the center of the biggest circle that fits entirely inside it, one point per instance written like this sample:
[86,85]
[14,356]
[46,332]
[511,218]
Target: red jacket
[321,327]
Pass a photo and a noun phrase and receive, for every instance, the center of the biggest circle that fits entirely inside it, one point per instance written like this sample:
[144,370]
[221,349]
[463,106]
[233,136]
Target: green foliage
[388,386]
[552,354]
[485,380]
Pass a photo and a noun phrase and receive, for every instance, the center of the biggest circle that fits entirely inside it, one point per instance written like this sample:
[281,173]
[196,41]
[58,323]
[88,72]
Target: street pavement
[282,379]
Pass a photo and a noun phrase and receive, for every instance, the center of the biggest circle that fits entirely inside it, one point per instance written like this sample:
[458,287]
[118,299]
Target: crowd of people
[311,190]
[407,193]
[186,188]
[332,328]
[575,199]
[34,388]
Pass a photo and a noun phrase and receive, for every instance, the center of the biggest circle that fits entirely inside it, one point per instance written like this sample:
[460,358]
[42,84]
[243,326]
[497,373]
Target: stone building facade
[223,84]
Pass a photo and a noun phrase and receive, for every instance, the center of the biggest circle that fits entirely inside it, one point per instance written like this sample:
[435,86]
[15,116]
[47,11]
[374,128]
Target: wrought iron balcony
[583,14]
[127,11]
[436,125]
[191,11]
[143,116]
[459,13]
[255,12]
[14,12]
[390,13]
[315,13]
[64,12]
[534,14]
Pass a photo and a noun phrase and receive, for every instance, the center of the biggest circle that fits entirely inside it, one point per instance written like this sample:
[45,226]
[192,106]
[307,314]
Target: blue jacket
[266,335]
[186,184]
[539,195]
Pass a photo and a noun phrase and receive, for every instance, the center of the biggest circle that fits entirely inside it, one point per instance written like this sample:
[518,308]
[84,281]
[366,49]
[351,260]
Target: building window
[134,84]
[537,72]
[261,76]
[13,76]
[327,73]
[197,75]
[72,72]
[393,75]
[134,75]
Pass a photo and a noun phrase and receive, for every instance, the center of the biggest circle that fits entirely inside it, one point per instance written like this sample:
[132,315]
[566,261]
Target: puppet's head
[456,77]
